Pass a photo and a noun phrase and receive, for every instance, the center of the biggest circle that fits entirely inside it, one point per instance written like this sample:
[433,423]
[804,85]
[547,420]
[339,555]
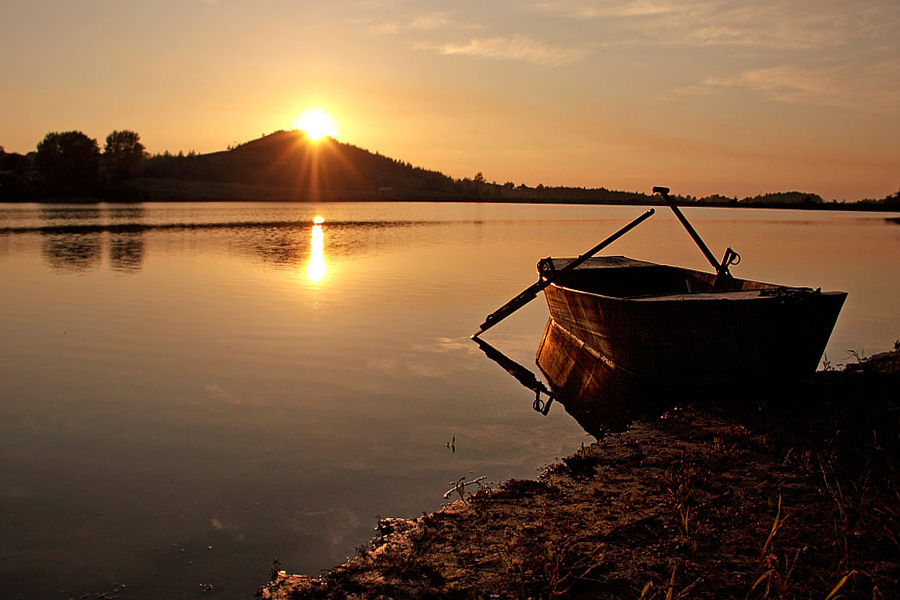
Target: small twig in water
[460,487]
[859,355]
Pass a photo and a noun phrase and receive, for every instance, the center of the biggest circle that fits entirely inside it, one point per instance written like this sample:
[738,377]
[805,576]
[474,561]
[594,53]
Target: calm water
[190,391]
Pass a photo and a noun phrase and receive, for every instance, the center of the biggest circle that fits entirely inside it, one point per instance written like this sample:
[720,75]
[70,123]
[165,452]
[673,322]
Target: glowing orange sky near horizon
[702,95]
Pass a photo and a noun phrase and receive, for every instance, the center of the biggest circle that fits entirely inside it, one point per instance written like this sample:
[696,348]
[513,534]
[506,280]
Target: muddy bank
[793,495]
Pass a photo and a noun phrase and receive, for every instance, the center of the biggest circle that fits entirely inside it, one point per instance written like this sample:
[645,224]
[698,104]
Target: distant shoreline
[339,197]
[149,189]
[286,166]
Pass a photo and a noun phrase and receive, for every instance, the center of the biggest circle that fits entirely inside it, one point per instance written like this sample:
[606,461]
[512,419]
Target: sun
[316,123]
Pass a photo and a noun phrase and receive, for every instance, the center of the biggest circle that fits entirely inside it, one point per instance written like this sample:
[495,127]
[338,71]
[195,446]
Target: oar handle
[664,192]
[531,292]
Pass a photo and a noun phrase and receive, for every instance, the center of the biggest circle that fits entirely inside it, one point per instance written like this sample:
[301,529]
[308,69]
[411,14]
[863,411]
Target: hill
[303,169]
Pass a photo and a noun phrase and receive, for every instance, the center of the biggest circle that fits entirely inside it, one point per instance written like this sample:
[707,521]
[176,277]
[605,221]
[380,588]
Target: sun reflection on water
[316,269]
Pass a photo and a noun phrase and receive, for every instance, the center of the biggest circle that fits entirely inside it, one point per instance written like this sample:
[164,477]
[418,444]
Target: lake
[189,391]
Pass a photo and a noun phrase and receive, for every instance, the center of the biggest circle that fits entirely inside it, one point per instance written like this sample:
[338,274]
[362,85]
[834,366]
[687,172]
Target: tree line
[71,163]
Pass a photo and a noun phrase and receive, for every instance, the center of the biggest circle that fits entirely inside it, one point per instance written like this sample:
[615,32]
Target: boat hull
[754,334]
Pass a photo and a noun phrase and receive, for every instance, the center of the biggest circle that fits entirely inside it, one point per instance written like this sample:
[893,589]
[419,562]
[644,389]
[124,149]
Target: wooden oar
[534,289]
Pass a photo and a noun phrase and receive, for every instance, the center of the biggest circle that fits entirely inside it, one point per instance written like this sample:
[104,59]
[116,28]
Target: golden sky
[705,96]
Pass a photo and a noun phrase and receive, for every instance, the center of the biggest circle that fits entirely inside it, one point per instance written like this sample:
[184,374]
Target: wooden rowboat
[621,328]
[672,327]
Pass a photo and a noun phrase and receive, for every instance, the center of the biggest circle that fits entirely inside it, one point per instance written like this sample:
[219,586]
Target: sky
[704,96]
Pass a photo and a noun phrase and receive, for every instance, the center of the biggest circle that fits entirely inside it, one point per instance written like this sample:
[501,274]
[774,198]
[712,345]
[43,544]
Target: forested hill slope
[290,159]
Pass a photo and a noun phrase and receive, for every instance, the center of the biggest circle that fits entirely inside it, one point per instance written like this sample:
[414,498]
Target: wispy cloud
[590,9]
[384,28]
[769,24]
[517,47]
[432,21]
[457,33]
[869,86]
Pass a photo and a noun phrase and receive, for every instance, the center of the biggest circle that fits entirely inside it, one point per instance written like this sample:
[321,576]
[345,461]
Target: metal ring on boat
[547,269]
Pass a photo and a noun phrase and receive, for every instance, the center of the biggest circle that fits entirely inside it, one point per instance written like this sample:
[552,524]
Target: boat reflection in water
[522,374]
[599,397]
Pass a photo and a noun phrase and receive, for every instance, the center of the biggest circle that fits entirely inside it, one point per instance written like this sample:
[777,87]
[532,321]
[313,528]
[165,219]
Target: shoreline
[256,196]
[798,494]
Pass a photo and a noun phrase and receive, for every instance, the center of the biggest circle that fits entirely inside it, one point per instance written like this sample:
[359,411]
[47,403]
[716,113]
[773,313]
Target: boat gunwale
[774,293]
[768,290]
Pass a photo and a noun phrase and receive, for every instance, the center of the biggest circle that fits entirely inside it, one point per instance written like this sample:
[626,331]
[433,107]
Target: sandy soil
[790,496]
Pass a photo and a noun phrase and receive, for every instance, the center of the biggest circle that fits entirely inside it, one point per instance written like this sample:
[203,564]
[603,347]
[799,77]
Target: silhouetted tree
[123,155]
[70,159]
